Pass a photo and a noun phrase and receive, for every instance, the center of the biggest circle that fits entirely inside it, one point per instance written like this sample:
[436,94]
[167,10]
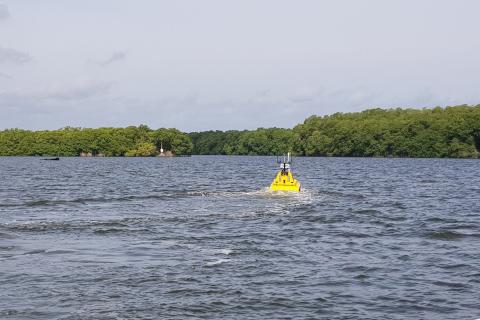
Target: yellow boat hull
[285,182]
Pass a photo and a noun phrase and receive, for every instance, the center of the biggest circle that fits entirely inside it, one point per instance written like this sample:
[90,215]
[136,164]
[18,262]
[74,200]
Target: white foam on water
[265,201]
[217,262]
[256,202]
[226,252]
[264,193]
[169,243]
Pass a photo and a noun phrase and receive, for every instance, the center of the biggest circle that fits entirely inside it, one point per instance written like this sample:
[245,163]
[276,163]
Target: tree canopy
[440,132]
[129,141]
[452,132]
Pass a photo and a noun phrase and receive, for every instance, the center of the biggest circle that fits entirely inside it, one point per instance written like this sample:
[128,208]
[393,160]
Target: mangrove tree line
[440,132]
[130,141]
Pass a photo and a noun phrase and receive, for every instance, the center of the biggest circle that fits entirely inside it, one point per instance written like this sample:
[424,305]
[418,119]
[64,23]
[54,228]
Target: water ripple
[203,238]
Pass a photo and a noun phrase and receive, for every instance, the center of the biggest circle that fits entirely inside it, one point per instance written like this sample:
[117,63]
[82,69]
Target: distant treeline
[440,132]
[272,141]
[130,141]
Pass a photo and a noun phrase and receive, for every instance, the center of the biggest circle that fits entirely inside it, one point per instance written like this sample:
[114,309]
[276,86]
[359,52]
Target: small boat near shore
[51,159]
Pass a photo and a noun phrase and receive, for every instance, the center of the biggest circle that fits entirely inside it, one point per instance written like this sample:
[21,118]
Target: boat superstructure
[284,180]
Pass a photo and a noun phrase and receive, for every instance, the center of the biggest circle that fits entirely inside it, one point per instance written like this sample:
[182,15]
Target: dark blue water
[201,238]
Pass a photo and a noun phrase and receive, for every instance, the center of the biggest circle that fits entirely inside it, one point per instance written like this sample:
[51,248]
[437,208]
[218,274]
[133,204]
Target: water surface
[202,238]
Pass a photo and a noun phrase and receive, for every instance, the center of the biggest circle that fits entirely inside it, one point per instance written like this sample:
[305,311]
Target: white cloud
[72,92]
[5,76]
[8,55]
[116,56]
[4,13]
[81,103]
[78,91]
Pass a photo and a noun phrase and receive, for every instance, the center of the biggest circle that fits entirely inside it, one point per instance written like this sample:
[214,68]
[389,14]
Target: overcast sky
[220,64]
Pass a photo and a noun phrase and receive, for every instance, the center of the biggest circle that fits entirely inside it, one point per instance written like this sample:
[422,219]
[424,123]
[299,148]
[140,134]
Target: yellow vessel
[284,181]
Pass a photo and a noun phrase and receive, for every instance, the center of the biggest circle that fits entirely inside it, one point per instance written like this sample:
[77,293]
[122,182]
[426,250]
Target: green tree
[143,149]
